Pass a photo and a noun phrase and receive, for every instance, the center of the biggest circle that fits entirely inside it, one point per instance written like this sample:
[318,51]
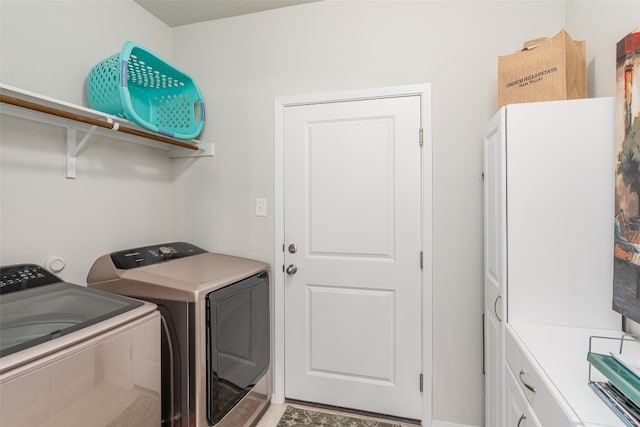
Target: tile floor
[275,411]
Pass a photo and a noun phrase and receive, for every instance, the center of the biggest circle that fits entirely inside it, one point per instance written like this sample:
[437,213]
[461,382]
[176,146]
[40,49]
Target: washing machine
[216,328]
[73,356]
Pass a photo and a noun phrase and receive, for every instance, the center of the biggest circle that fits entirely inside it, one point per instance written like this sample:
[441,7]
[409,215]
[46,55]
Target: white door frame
[424,91]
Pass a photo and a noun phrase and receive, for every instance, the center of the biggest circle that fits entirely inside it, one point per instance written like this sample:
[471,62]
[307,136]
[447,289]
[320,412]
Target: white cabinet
[548,216]
[533,384]
[549,209]
[555,365]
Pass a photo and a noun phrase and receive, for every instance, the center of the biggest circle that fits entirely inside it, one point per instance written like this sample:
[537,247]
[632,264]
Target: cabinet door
[494,269]
[494,370]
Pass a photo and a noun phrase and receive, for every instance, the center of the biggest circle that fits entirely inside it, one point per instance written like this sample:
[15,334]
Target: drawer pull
[531,389]
[495,303]
[522,418]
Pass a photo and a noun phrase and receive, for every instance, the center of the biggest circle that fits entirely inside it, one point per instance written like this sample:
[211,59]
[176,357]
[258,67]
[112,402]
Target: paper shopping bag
[545,69]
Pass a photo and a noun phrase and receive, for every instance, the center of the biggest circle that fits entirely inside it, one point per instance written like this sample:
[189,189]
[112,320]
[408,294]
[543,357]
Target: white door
[352,208]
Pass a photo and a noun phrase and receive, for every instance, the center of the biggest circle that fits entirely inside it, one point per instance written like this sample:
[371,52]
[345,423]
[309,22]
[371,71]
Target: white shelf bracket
[74,148]
[205,149]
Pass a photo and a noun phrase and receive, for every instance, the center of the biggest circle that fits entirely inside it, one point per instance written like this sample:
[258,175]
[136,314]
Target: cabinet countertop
[561,353]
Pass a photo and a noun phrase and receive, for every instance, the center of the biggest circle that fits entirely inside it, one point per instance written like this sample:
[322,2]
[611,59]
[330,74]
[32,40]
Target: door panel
[363,223]
[495,208]
[330,309]
[353,210]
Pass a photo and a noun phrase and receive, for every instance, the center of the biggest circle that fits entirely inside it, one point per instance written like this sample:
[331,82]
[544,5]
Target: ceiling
[182,12]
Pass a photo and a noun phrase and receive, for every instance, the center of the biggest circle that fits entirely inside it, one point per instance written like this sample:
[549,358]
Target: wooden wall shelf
[28,105]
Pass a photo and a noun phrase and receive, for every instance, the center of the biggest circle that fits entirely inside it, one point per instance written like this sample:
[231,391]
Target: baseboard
[447,424]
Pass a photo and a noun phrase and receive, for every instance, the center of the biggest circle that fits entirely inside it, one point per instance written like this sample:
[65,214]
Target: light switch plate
[261,207]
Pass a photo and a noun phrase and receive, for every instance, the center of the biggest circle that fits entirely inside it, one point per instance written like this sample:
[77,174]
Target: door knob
[291,269]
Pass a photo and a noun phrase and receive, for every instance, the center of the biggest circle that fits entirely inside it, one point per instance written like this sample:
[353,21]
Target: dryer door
[237,342]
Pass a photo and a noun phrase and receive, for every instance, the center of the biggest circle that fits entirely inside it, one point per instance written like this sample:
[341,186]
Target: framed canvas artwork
[626,271]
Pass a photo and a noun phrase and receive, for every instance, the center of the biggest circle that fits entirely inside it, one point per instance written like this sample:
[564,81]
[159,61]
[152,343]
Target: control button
[165,252]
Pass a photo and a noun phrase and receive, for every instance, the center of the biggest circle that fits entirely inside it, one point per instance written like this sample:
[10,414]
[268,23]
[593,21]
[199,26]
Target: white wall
[122,196]
[602,24]
[243,63]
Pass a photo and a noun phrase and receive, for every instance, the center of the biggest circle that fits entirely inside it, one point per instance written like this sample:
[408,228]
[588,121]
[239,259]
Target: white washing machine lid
[37,315]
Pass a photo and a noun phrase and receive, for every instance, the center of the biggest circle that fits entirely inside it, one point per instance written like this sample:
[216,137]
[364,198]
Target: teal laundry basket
[141,87]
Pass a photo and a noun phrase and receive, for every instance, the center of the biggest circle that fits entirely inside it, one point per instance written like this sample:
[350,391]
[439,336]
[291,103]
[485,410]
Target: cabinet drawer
[536,390]
[518,413]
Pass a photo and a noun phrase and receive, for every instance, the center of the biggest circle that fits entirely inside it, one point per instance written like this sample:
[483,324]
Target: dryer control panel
[148,255]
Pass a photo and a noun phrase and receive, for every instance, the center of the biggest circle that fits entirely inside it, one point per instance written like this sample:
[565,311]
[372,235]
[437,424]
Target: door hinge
[421,260]
[421,386]
[421,137]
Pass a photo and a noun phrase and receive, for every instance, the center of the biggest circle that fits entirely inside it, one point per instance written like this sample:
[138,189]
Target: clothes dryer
[215,341]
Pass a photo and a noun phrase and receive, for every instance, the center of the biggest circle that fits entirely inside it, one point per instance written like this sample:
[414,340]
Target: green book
[622,377]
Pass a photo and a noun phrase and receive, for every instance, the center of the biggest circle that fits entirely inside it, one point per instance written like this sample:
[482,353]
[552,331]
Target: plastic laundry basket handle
[198,106]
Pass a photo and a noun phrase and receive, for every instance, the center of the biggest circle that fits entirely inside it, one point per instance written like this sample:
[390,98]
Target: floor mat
[294,417]
[144,411]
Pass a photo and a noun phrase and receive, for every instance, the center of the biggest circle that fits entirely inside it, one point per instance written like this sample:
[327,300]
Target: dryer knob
[165,252]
